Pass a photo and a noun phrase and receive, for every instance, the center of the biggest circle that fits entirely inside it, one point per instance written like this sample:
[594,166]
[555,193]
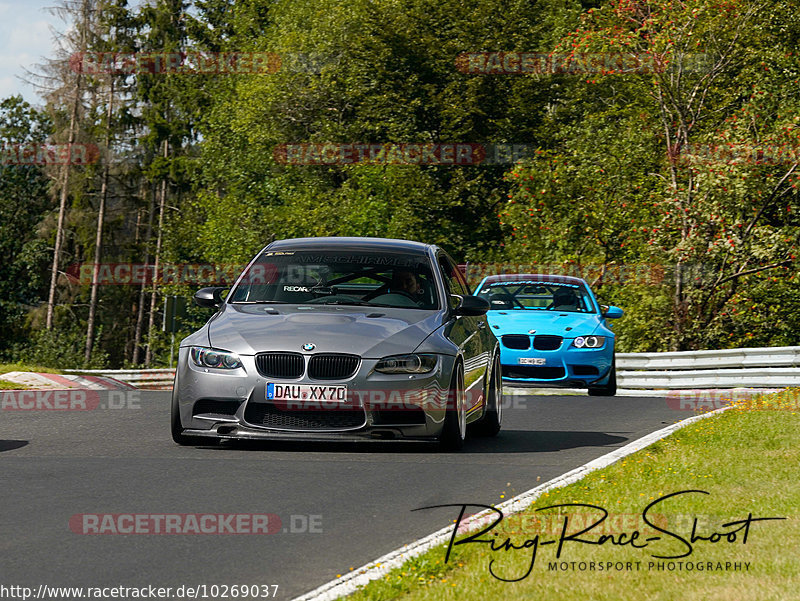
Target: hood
[544,322]
[371,332]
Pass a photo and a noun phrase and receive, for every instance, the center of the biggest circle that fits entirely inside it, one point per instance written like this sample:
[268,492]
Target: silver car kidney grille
[280,365]
[332,367]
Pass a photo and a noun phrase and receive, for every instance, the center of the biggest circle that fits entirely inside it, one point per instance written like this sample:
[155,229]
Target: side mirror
[611,312]
[209,297]
[472,305]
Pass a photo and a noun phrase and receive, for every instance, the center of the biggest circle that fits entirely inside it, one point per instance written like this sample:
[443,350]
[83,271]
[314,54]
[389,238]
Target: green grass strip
[6,385]
[747,458]
[21,366]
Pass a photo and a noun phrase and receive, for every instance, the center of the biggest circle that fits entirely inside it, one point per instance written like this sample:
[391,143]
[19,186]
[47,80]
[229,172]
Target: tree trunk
[62,205]
[101,214]
[137,338]
[148,357]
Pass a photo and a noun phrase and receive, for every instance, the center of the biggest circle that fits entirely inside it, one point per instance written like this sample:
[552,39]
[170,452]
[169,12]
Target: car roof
[353,243]
[536,277]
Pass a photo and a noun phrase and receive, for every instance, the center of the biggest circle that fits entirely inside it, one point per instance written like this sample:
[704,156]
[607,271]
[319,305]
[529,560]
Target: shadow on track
[508,441]
[10,445]
[541,441]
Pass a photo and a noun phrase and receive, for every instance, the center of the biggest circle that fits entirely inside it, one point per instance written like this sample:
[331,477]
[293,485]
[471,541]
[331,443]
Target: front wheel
[454,430]
[610,389]
[490,423]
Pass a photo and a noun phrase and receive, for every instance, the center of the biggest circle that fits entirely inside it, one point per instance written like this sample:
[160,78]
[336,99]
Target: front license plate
[532,361]
[306,392]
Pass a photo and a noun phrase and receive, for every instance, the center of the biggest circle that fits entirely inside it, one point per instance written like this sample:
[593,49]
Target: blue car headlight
[406,364]
[589,341]
[211,357]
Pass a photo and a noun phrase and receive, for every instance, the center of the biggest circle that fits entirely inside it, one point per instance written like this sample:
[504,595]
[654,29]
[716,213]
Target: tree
[24,201]
[631,181]
[369,72]
[78,44]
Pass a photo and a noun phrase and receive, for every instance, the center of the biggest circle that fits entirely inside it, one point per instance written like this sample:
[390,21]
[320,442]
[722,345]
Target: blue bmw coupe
[552,332]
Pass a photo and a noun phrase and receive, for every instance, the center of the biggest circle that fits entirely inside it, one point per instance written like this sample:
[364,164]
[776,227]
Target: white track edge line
[350,582]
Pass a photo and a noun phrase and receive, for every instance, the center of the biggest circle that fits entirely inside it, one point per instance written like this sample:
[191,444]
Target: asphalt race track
[56,464]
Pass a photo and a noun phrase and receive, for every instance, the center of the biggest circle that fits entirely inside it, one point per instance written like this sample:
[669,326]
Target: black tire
[454,430]
[177,427]
[492,420]
[610,389]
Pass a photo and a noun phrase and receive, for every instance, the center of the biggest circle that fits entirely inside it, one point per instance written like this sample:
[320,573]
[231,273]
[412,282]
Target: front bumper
[233,404]
[568,367]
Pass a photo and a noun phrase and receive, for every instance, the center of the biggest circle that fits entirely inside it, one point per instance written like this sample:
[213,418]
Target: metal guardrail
[711,378]
[785,356]
[766,367]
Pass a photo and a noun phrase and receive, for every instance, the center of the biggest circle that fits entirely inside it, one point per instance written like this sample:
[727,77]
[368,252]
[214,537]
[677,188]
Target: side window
[462,280]
[453,280]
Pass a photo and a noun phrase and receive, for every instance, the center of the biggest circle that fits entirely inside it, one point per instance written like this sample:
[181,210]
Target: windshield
[537,296]
[319,277]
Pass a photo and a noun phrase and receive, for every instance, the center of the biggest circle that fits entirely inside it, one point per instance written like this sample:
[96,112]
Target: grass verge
[7,367]
[6,385]
[748,461]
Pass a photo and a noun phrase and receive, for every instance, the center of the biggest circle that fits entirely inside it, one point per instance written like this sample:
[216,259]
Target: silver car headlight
[589,341]
[211,357]
[407,364]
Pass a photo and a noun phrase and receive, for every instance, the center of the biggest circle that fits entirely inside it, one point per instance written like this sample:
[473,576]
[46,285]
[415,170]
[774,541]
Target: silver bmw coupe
[341,339]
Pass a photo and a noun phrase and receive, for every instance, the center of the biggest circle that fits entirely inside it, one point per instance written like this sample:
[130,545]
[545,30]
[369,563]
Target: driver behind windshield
[406,281]
[565,299]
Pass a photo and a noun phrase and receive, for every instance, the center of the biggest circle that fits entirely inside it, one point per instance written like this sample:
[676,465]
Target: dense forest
[651,147]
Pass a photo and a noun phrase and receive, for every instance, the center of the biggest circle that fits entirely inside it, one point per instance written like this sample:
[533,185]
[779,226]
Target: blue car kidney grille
[520,342]
[544,342]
